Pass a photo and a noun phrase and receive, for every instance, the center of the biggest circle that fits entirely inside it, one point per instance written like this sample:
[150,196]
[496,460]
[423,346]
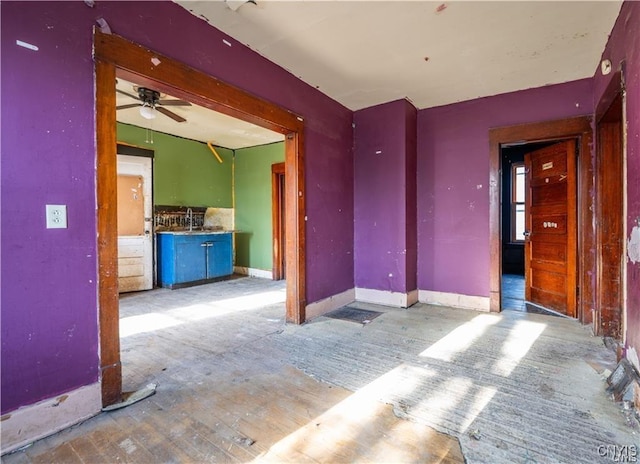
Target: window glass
[519,184]
[517,202]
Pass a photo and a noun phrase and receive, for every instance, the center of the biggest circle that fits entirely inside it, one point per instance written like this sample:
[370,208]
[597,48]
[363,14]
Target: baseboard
[412,298]
[455,300]
[30,423]
[386,298]
[251,272]
[321,307]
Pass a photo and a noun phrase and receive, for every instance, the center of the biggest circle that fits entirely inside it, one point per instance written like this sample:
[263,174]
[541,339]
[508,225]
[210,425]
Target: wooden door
[135,240]
[550,243]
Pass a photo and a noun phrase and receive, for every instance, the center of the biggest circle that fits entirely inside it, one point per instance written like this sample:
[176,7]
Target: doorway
[513,223]
[135,212]
[117,57]
[578,129]
[550,237]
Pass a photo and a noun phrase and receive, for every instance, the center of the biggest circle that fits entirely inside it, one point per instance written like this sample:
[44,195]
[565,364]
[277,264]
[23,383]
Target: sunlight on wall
[460,339]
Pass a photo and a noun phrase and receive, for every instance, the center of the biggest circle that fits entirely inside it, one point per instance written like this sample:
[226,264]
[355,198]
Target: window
[517,202]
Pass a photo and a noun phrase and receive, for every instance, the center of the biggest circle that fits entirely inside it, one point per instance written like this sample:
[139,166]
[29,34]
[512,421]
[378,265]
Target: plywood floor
[427,384]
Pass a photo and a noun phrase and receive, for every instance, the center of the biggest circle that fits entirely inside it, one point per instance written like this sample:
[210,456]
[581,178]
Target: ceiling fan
[149,101]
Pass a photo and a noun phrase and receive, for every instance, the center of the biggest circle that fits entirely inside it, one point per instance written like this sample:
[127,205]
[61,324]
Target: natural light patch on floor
[461,338]
[461,396]
[520,340]
[150,322]
[197,312]
[362,428]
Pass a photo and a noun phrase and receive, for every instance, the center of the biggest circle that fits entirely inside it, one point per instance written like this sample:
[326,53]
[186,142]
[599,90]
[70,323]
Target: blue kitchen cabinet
[191,258]
[219,256]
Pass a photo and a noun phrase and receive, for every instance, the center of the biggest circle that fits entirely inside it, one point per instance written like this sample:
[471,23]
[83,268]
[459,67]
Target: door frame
[114,57]
[578,128]
[277,226]
[148,226]
[610,169]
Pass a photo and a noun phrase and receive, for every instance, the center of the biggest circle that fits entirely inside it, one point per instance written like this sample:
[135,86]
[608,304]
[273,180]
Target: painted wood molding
[252,272]
[454,300]
[331,303]
[30,423]
[386,298]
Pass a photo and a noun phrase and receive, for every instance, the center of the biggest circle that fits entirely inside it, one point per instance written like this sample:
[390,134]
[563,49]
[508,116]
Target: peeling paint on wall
[633,246]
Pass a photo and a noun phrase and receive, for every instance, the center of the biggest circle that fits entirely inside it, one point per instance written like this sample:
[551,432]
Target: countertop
[196,232]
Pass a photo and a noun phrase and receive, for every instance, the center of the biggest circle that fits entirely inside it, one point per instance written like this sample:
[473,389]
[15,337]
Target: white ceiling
[202,123]
[363,53]
[366,52]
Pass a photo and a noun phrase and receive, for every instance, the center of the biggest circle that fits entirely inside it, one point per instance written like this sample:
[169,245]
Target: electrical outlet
[56,216]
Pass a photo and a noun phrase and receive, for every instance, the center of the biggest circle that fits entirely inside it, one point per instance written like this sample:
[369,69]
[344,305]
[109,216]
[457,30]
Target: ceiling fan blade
[124,107]
[127,94]
[174,103]
[170,114]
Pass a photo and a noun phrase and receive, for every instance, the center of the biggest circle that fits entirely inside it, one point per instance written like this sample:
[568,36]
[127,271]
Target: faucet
[189,217]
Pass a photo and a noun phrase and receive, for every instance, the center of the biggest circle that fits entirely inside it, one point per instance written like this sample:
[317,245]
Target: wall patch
[27,45]
[633,246]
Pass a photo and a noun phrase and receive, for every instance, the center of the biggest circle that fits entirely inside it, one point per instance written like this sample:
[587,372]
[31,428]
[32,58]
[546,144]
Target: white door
[135,216]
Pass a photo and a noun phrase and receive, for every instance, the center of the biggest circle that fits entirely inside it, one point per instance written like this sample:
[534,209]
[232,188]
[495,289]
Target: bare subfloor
[425,384]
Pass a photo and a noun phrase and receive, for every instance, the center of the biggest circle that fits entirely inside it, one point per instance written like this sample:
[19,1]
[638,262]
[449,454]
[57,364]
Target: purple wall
[49,299]
[411,174]
[384,150]
[624,44]
[453,175]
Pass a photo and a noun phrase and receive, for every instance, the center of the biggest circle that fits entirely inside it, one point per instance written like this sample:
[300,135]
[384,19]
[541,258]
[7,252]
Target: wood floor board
[63,453]
[86,449]
[414,385]
[174,440]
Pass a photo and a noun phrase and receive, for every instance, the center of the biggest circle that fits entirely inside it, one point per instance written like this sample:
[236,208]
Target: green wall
[253,204]
[185,172]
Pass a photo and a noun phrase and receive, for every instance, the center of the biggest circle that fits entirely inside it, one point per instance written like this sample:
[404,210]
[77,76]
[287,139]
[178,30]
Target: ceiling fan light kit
[147,112]
[149,101]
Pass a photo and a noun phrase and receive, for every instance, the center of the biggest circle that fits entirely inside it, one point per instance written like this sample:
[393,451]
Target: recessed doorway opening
[116,58]
[513,220]
[577,130]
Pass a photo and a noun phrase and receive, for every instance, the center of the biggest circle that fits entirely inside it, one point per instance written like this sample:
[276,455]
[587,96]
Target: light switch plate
[56,216]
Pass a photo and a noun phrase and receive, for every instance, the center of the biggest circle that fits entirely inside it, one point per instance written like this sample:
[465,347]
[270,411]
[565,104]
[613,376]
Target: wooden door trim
[610,229]
[114,55]
[579,128]
[277,171]
[106,178]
